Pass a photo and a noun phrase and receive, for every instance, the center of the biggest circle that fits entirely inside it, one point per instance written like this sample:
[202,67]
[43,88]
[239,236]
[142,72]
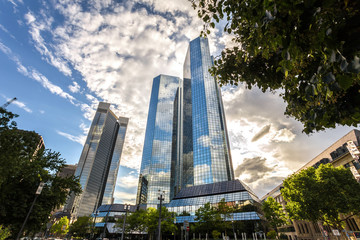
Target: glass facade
[160,147]
[186,142]
[99,162]
[235,193]
[205,155]
[115,162]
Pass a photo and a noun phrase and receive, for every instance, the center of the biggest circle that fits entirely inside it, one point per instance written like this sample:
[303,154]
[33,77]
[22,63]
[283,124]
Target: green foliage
[322,194]
[271,234]
[81,227]
[215,234]
[61,227]
[213,217]
[274,213]
[24,163]
[309,50]
[208,218]
[6,121]
[147,220]
[4,232]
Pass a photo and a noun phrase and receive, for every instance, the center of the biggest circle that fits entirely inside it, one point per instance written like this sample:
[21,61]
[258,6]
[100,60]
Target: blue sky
[61,57]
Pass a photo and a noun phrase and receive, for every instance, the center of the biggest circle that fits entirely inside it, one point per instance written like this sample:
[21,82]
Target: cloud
[34,74]
[35,28]
[129,181]
[117,53]
[79,139]
[253,168]
[74,88]
[125,197]
[18,103]
[22,105]
[265,130]
[284,135]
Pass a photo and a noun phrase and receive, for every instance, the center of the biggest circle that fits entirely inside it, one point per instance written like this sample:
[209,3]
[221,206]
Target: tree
[274,213]
[306,49]
[61,227]
[81,227]
[322,194]
[208,218]
[135,221]
[24,163]
[142,220]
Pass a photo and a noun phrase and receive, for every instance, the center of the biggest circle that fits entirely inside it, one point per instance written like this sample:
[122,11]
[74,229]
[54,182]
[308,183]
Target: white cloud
[22,105]
[125,197]
[36,27]
[79,139]
[129,181]
[34,74]
[284,135]
[119,52]
[75,87]
[17,103]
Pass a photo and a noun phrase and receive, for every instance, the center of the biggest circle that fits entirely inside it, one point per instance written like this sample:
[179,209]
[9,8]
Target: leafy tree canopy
[24,163]
[81,227]
[322,194]
[211,217]
[61,227]
[309,50]
[274,213]
[147,220]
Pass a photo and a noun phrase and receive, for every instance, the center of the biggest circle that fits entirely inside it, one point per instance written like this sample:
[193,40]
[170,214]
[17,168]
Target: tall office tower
[205,157]
[160,146]
[193,149]
[99,162]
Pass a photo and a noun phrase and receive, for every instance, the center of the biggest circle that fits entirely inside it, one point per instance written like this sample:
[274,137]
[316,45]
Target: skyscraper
[186,142]
[99,162]
[205,156]
[160,146]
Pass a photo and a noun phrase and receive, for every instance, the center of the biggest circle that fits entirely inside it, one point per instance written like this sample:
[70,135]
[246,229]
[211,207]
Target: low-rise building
[343,152]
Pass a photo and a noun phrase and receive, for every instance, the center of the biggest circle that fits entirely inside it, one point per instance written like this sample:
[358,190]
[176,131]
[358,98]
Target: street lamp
[126,208]
[161,198]
[37,193]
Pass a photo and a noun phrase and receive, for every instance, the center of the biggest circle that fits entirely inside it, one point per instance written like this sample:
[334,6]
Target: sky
[60,58]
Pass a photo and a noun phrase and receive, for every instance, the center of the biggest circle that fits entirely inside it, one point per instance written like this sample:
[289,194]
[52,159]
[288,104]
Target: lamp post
[37,193]
[161,198]
[126,208]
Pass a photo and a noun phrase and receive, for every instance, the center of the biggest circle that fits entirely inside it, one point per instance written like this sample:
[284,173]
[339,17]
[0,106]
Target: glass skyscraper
[160,146]
[186,142]
[205,157]
[99,162]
